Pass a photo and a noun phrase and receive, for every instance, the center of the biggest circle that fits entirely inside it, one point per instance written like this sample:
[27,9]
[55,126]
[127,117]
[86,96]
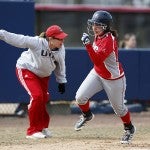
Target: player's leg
[116,94]
[35,108]
[90,86]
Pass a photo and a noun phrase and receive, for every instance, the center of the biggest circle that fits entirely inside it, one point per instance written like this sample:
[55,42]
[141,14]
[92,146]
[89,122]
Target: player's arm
[19,40]
[99,55]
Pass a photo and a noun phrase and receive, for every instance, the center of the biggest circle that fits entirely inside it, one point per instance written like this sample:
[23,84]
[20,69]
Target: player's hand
[61,88]
[85,38]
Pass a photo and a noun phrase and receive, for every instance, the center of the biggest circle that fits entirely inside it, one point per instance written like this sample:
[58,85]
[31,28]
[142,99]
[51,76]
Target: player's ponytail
[42,35]
[114,33]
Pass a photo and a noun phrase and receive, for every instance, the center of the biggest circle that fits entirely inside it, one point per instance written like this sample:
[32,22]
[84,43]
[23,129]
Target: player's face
[97,29]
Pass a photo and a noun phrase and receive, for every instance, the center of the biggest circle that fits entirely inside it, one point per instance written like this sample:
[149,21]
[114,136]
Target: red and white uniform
[33,69]
[104,55]
[107,74]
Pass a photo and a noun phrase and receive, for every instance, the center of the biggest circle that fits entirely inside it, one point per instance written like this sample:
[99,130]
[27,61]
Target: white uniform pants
[115,90]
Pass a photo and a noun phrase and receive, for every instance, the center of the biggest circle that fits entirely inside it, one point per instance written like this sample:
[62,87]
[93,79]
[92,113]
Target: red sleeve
[105,47]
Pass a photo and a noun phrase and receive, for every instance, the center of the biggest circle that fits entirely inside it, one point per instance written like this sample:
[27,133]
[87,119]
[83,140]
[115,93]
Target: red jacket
[104,55]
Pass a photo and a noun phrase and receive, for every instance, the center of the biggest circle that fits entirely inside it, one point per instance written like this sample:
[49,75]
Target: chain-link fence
[8,109]
[70,107]
[20,109]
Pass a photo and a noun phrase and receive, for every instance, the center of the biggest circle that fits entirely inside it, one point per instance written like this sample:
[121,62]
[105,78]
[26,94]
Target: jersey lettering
[95,47]
[45,53]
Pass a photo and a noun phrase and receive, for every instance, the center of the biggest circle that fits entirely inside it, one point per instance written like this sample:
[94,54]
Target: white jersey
[39,58]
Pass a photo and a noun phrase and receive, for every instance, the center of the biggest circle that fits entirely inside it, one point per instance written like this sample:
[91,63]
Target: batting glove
[85,38]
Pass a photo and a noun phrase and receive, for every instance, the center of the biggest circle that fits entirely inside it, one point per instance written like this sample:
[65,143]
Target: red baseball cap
[56,32]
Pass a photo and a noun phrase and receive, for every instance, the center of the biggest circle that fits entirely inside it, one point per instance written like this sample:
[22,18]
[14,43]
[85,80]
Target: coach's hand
[61,88]
[85,38]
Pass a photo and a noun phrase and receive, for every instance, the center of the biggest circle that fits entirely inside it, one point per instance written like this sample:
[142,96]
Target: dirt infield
[102,133]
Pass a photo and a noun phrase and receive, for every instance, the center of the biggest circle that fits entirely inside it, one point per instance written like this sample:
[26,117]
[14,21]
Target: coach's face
[55,42]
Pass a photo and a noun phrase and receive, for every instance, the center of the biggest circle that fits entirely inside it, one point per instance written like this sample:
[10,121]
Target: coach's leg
[46,97]
[35,109]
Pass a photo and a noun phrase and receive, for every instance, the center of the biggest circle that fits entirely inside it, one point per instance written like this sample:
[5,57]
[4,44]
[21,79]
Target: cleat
[37,135]
[82,121]
[47,133]
[128,135]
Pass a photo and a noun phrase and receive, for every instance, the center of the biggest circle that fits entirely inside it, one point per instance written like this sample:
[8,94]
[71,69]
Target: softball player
[107,73]
[45,54]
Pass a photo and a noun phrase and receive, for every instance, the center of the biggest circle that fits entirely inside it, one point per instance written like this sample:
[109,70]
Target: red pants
[37,88]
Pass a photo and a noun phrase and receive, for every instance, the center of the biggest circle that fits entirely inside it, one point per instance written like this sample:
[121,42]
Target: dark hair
[114,32]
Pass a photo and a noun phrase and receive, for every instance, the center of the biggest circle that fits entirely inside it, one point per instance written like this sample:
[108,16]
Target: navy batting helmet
[102,18]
